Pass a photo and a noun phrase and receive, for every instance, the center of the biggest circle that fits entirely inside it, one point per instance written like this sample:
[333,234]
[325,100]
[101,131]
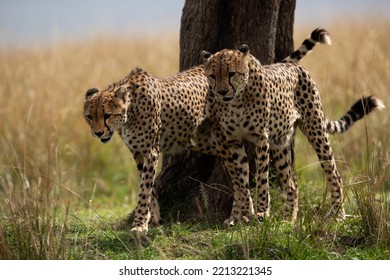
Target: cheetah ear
[244,49]
[91,92]
[206,55]
[121,93]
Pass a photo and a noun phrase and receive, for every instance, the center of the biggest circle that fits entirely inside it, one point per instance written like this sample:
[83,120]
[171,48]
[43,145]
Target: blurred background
[24,21]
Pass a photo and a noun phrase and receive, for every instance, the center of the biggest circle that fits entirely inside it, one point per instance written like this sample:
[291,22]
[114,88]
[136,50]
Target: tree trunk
[284,45]
[192,185]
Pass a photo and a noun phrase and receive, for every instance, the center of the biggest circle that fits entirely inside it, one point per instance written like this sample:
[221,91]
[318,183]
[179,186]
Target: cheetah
[150,115]
[264,104]
[154,115]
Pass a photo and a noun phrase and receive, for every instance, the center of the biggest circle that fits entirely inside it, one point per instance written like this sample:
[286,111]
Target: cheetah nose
[99,133]
[223,92]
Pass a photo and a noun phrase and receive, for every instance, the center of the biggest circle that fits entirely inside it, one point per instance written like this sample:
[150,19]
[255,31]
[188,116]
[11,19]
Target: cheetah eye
[212,76]
[89,117]
[231,74]
[107,116]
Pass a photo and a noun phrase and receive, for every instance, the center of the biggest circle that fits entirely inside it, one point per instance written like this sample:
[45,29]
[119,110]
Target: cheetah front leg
[154,207]
[142,212]
[262,166]
[236,163]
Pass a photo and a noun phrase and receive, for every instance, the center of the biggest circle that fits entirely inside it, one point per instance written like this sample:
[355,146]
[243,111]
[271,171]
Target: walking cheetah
[264,104]
[154,115]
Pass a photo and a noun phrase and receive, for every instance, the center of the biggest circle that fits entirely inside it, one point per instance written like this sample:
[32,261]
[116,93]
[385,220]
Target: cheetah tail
[317,36]
[362,107]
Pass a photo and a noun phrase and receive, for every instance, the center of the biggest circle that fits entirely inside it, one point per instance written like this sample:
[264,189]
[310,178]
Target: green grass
[64,195]
[310,238]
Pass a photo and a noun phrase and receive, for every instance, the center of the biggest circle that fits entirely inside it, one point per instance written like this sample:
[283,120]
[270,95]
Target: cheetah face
[227,72]
[105,111]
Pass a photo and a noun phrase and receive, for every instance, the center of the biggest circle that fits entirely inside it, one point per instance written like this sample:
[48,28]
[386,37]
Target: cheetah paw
[229,222]
[245,219]
[232,221]
[143,229]
[261,216]
[341,216]
[340,219]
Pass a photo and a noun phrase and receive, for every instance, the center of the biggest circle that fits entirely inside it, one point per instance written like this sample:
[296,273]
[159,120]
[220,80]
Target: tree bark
[284,45]
[192,185]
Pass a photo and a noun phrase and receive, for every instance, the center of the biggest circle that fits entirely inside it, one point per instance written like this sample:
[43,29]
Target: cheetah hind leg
[328,163]
[283,157]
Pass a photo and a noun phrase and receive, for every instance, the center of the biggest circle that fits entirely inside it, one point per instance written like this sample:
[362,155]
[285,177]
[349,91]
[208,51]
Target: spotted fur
[151,115]
[264,104]
[154,115]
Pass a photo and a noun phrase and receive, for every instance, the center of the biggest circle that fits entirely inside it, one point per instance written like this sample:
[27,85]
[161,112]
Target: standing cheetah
[154,115]
[264,104]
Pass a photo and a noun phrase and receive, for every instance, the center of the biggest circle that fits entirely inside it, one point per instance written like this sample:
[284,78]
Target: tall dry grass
[357,64]
[50,166]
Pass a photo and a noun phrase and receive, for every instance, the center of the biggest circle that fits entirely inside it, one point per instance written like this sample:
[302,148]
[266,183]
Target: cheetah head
[106,111]
[227,72]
